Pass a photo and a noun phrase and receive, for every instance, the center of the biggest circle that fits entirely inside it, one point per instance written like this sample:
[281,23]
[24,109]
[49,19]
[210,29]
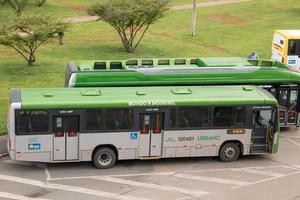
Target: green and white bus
[107,124]
[279,79]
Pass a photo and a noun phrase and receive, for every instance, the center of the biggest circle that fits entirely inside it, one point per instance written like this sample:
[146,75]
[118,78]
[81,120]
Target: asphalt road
[275,177]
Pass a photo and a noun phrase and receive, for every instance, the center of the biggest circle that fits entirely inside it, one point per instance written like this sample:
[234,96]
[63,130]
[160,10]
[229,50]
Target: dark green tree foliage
[39,3]
[18,6]
[27,33]
[130,18]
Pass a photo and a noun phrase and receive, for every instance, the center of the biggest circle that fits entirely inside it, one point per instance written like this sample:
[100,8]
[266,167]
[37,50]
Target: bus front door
[150,134]
[65,138]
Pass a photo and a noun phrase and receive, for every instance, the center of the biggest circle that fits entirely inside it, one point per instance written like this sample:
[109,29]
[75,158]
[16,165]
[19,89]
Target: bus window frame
[275,114]
[104,130]
[297,50]
[248,122]
[20,133]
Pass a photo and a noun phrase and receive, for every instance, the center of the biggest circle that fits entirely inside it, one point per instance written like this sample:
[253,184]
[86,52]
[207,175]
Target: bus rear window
[294,47]
[32,122]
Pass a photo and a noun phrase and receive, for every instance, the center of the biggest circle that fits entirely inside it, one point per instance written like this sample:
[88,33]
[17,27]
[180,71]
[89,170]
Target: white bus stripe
[153,186]
[211,179]
[68,188]
[259,172]
[17,196]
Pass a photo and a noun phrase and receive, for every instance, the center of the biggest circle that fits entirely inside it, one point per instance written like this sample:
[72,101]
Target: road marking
[170,173]
[115,175]
[259,172]
[17,196]
[292,141]
[153,186]
[211,179]
[269,179]
[4,154]
[68,188]
[48,175]
[229,169]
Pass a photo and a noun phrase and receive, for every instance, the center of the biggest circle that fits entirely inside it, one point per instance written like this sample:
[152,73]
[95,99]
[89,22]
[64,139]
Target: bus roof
[290,34]
[163,71]
[68,98]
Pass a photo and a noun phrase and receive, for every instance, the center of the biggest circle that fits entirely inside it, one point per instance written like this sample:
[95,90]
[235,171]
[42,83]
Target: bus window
[118,119]
[32,122]
[294,47]
[293,100]
[264,117]
[193,117]
[173,118]
[229,116]
[94,119]
[282,100]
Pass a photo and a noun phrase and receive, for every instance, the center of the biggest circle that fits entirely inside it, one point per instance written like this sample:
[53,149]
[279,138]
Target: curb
[3,148]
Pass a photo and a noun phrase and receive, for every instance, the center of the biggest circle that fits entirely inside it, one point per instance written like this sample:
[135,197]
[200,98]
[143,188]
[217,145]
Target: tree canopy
[130,18]
[25,34]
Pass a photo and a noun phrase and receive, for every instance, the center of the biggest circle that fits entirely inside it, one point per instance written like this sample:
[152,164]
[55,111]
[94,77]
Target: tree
[27,33]
[130,18]
[39,3]
[18,6]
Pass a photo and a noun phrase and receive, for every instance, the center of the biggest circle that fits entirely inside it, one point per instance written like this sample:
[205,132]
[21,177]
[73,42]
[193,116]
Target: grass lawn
[176,2]
[229,30]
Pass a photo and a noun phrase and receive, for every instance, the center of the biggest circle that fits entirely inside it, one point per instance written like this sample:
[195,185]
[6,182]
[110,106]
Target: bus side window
[30,122]
[229,116]
[118,119]
[294,47]
[94,120]
[190,117]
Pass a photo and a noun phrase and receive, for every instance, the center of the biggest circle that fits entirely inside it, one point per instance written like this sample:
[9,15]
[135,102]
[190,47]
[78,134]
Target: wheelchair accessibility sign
[34,146]
[133,136]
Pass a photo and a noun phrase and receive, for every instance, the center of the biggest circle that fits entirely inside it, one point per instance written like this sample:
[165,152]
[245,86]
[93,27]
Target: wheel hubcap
[229,152]
[105,159]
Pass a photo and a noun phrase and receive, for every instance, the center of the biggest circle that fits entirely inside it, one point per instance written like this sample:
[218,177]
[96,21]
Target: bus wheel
[229,152]
[104,158]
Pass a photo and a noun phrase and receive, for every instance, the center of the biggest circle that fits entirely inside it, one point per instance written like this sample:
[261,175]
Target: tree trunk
[31,59]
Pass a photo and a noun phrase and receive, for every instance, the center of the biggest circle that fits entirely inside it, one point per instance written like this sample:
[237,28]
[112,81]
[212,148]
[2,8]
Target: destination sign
[151,103]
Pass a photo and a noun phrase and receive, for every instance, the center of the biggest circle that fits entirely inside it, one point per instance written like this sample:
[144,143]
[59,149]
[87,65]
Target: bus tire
[104,158]
[229,152]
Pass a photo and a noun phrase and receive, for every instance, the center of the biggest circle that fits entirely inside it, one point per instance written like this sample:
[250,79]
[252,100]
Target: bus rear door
[150,135]
[65,138]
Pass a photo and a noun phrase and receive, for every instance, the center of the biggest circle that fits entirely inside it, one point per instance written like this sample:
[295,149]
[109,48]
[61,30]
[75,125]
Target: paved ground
[275,177]
[3,148]
[81,19]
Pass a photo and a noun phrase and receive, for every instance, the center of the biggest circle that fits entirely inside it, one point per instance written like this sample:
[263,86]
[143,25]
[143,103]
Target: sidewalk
[82,19]
[3,148]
